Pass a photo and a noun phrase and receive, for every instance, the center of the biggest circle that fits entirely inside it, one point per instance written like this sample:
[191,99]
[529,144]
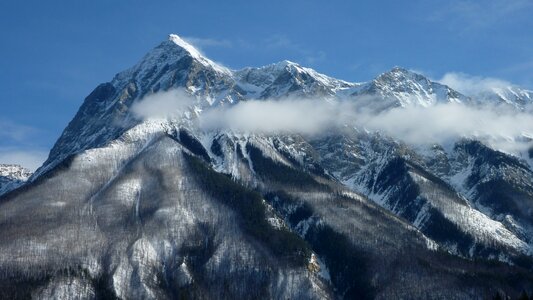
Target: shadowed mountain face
[159,208]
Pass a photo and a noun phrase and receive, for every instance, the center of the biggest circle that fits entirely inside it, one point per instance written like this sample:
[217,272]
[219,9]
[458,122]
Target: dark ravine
[133,208]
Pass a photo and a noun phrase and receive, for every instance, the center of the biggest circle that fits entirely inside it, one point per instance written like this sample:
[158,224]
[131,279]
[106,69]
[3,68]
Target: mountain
[288,78]
[160,208]
[507,95]
[401,88]
[12,176]
[176,64]
[466,201]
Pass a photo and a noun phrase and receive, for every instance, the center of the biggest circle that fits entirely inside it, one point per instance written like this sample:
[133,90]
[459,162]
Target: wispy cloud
[203,43]
[273,116]
[276,42]
[472,85]
[163,104]
[504,128]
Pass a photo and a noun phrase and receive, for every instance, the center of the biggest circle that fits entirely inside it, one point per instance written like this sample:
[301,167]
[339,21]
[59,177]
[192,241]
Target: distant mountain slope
[12,176]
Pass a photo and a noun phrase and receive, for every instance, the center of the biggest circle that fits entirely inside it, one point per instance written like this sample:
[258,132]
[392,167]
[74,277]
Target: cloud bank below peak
[505,129]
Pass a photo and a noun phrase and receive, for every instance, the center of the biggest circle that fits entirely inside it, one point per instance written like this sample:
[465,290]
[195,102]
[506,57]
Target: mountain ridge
[163,67]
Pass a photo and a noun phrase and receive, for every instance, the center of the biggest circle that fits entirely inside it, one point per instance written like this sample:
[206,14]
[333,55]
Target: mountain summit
[194,53]
[405,88]
[160,208]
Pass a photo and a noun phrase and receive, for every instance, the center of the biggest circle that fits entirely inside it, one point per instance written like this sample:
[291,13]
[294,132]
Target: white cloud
[272,116]
[208,42]
[30,159]
[162,104]
[472,85]
[504,128]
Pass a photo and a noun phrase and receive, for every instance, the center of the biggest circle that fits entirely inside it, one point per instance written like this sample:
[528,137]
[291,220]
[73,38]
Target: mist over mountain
[181,178]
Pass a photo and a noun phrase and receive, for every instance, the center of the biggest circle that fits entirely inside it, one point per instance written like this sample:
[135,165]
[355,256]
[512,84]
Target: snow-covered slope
[420,185]
[12,176]
[509,95]
[146,216]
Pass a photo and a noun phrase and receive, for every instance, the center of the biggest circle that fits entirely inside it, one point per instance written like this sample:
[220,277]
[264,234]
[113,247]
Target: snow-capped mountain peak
[286,64]
[195,53]
[402,87]
[509,95]
[491,91]
[399,74]
[286,77]
[12,176]
[175,63]
[167,55]
[183,44]
[14,171]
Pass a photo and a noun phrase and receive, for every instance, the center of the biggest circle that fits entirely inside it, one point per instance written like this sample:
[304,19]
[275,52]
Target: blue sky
[53,53]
